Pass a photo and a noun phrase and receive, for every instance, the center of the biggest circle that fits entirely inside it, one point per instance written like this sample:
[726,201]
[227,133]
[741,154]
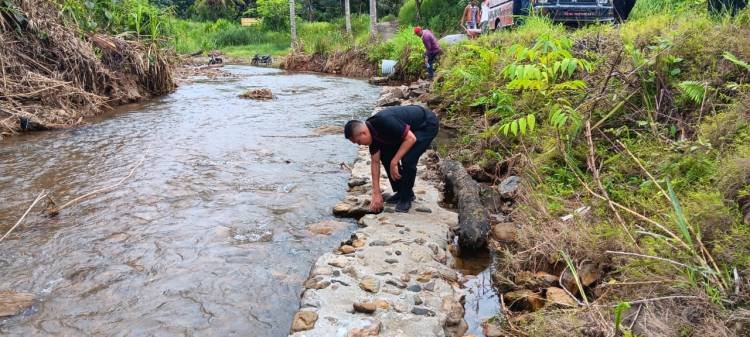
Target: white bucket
[387,67]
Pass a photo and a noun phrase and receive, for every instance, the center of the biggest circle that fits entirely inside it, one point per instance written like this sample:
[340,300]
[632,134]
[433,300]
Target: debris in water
[258,93]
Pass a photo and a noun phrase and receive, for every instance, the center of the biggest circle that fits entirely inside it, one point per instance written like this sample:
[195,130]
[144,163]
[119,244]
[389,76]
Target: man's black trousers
[408,168]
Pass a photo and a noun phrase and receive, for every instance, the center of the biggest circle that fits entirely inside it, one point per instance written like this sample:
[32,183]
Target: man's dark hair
[350,127]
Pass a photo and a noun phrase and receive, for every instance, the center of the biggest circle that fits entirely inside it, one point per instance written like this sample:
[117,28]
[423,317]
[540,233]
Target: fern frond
[694,90]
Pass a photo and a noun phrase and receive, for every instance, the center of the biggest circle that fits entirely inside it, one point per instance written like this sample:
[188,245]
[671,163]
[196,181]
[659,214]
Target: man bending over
[397,136]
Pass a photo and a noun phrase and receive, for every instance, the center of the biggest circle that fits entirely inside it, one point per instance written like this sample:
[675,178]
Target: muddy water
[207,238]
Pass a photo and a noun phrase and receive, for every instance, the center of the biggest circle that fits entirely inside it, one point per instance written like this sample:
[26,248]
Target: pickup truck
[504,13]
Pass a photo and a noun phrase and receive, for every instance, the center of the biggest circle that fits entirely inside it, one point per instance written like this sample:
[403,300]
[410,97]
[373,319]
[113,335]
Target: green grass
[238,41]
[694,145]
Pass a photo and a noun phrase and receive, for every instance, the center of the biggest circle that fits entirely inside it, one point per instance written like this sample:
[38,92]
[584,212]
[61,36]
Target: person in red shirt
[432,49]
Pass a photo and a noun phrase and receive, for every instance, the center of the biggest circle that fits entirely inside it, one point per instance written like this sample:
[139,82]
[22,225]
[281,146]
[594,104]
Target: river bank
[392,278]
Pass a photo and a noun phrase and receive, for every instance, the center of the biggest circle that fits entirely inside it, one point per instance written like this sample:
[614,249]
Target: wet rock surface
[402,282]
[13,303]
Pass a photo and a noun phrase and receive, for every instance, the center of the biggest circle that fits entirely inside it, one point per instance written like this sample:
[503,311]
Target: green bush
[440,16]
[207,10]
[275,13]
[406,48]
[135,17]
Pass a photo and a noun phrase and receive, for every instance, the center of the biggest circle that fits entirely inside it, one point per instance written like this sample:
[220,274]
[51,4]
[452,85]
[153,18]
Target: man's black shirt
[390,126]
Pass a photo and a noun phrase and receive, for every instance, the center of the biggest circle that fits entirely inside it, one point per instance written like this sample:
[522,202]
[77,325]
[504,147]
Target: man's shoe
[403,206]
[394,199]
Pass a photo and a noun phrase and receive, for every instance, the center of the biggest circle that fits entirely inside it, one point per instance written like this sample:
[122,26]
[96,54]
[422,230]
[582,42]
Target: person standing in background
[470,19]
[432,49]
[485,17]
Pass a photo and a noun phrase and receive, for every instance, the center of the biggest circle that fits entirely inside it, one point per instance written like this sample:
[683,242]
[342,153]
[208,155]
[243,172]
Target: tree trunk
[293,24]
[418,16]
[373,19]
[473,220]
[348,14]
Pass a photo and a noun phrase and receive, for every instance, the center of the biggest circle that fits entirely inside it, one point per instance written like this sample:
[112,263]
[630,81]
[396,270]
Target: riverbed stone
[13,303]
[304,320]
[342,208]
[414,288]
[354,182]
[524,299]
[504,232]
[346,249]
[420,311]
[557,297]
[370,284]
[365,307]
[340,262]
[326,227]
[509,187]
[367,328]
[316,283]
[359,243]
[453,309]
[379,243]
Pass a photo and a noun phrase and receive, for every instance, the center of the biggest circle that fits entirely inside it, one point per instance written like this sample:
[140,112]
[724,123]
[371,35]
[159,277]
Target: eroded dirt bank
[54,78]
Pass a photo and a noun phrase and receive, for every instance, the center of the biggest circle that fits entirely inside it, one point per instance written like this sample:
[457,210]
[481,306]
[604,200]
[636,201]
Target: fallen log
[473,219]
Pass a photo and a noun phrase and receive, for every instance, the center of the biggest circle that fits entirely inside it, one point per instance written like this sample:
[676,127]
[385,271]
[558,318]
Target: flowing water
[207,238]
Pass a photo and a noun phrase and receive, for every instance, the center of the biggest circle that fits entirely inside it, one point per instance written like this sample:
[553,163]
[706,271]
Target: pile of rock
[258,93]
[550,285]
[414,93]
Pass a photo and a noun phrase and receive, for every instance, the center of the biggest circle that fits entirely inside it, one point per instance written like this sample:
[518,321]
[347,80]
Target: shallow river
[207,238]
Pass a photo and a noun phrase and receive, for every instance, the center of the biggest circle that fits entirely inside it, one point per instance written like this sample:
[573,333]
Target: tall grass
[648,8]
[317,37]
[137,18]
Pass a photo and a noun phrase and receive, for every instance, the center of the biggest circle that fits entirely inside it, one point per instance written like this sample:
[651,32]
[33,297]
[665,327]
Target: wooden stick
[635,318]
[646,300]
[559,280]
[57,210]
[41,196]
[651,257]
[595,172]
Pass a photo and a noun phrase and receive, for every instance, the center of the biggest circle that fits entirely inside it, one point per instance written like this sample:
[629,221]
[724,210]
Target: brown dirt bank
[351,63]
[53,78]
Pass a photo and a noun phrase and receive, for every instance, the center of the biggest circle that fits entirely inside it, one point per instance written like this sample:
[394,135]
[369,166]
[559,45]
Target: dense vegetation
[639,130]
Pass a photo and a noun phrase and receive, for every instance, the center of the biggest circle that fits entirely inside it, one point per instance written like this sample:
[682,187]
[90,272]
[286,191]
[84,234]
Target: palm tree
[373,19]
[348,18]
[293,25]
